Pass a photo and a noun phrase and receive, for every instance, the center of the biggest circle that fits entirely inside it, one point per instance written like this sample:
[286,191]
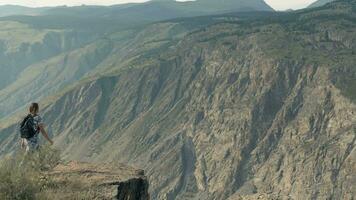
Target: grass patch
[22,175]
[28,177]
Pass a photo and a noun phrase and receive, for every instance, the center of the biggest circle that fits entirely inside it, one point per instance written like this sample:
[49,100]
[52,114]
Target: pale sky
[276,4]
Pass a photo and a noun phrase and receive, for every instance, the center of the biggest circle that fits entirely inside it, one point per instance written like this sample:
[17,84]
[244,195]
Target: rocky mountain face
[237,109]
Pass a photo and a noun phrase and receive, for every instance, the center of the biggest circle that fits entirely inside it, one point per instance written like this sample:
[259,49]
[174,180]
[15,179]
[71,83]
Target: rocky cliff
[237,109]
[97,181]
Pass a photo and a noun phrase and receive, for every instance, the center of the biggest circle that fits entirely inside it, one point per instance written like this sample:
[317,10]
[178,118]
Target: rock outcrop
[133,189]
[99,181]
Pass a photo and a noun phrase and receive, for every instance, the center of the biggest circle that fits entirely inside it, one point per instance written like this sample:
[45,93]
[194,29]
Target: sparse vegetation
[26,178]
[22,175]
[18,183]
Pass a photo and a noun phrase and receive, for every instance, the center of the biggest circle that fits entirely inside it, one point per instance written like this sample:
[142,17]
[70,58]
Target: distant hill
[104,18]
[19,10]
[162,9]
[157,9]
[320,3]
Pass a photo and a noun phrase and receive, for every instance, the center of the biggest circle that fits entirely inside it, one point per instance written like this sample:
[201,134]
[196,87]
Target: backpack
[27,127]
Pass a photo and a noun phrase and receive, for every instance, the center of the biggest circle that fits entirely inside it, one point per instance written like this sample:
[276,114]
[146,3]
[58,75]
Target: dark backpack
[27,127]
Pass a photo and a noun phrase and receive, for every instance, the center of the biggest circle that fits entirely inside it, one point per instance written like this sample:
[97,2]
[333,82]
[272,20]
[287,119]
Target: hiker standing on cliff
[30,128]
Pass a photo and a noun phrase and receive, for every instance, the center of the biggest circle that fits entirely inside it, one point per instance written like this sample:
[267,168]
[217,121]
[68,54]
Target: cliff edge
[97,181]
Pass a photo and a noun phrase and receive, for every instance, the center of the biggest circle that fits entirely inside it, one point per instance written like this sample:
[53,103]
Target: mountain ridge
[173,9]
[6,10]
[319,3]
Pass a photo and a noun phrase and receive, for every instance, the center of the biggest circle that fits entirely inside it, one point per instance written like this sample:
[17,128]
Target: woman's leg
[31,147]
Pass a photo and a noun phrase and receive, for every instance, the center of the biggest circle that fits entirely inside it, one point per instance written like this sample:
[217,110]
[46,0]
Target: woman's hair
[34,108]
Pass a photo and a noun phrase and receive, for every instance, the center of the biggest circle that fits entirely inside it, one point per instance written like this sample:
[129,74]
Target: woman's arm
[44,133]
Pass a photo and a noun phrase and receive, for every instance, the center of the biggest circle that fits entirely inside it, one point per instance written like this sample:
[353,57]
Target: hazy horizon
[276,4]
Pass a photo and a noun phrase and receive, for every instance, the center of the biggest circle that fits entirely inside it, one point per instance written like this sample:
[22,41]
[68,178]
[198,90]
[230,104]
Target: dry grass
[24,178]
[21,176]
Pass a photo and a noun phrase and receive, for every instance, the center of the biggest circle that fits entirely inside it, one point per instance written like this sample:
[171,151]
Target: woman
[32,144]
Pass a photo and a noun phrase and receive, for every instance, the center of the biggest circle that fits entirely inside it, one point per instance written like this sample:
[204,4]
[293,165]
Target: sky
[276,4]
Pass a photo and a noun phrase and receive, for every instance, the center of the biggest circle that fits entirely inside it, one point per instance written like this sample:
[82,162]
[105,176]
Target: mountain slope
[24,54]
[22,45]
[320,3]
[42,43]
[233,109]
[110,52]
